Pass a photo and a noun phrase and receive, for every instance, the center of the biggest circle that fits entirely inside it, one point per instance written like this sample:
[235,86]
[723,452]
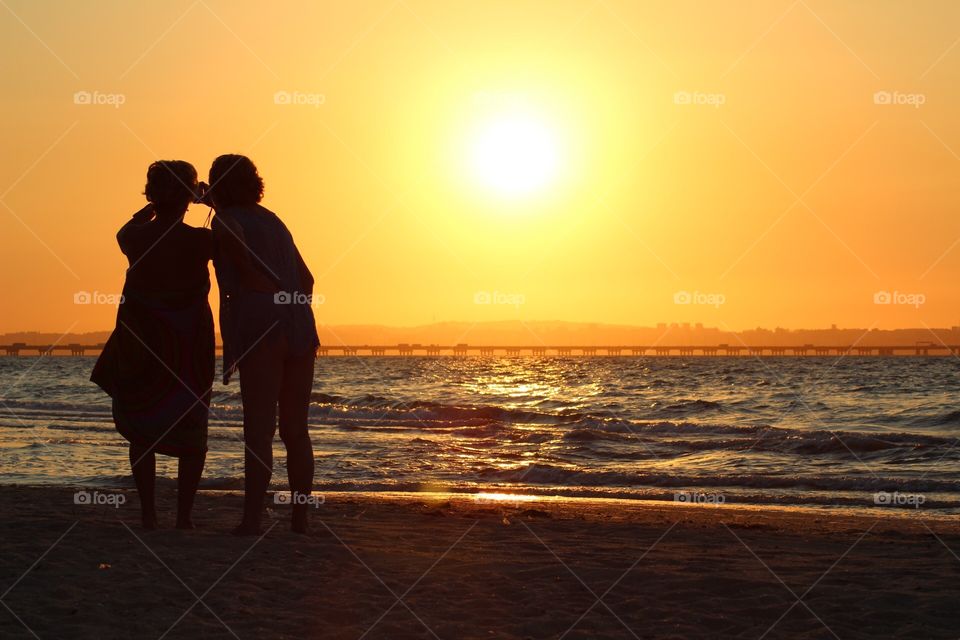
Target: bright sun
[514,154]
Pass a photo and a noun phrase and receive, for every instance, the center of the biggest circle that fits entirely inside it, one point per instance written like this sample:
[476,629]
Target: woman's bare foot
[298,523]
[149,522]
[185,523]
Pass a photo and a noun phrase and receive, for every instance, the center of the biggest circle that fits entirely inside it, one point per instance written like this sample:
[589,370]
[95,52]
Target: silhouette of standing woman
[269,333]
[158,364]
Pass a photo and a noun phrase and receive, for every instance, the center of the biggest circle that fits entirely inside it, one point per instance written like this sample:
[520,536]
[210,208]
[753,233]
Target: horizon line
[685,326]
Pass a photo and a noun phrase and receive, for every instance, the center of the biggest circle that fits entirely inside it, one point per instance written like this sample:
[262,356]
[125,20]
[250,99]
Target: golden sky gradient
[736,151]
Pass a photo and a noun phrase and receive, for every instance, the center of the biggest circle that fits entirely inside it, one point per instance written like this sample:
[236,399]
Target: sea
[877,433]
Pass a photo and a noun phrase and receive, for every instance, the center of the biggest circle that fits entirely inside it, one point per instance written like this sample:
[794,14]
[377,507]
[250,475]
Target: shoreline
[929,509]
[627,510]
[425,565]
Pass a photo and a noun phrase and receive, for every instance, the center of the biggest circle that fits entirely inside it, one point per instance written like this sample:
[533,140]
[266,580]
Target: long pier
[404,349]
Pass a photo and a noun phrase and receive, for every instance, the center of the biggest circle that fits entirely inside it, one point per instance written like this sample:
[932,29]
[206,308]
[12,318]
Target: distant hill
[515,332]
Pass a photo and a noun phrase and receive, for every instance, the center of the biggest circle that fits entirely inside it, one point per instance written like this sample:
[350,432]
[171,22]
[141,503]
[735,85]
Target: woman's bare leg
[261,373]
[143,464]
[189,470]
[294,411]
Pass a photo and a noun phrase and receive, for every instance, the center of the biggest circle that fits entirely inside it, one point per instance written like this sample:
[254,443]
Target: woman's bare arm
[139,219]
[306,278]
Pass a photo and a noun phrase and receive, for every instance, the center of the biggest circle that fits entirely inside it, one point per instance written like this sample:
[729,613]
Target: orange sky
[730,155]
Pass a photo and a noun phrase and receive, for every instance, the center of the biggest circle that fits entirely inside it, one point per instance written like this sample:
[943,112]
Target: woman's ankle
[149,520]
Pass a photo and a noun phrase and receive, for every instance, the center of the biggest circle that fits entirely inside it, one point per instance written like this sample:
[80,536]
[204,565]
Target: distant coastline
[572,334]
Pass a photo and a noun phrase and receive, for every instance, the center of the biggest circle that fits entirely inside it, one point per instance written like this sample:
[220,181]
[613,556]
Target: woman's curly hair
[171,183]
[234,180]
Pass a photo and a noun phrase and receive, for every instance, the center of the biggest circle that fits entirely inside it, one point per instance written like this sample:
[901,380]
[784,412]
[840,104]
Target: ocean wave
[687,407]
[674,435]
[692,427]
[429,411]
[676,438]
[387,411]
[946,418]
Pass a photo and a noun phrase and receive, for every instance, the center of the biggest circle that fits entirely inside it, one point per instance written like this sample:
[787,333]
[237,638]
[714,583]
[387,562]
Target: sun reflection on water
[505,497]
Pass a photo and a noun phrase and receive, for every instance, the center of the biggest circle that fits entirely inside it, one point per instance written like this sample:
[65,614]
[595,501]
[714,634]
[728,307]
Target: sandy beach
[454,566]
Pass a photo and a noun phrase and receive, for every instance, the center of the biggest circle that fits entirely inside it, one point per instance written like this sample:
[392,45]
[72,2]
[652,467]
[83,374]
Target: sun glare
[514,154]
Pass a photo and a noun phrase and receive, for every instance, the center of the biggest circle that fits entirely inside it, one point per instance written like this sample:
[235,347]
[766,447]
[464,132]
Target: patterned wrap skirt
[158,367]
